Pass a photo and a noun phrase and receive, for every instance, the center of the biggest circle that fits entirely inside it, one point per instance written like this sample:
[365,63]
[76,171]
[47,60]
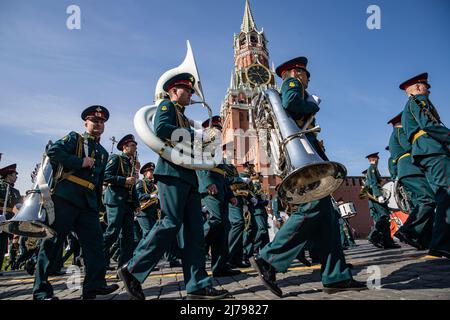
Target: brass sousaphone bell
[37,213]
[143,119]
[306,176]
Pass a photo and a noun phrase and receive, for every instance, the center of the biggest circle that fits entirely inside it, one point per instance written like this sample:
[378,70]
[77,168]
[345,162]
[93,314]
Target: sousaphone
[37,213]
[143,119]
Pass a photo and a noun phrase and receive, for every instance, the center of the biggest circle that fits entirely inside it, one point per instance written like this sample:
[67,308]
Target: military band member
[148,197]
[314,221]
[77,198]
[216,195]
[416,231]
[262,232]
[236,217]
[121,199]
[180,205]
[9,198]
[380,235]
[251,201]
[430,140]
[277,206]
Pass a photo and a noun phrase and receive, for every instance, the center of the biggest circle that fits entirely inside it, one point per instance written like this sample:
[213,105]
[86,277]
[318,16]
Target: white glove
[153,196]
[314,99]
[381,199]
[2,218]
[254,201]
[204,209]
[246,180]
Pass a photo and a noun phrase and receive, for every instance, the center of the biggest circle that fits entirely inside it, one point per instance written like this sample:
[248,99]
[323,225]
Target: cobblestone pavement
[406,274]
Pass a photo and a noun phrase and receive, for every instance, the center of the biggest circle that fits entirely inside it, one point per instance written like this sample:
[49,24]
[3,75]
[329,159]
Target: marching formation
[99,210]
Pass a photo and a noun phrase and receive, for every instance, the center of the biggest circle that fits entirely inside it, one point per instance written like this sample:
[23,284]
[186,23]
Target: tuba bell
[143,119]
[37,212]
[306,176]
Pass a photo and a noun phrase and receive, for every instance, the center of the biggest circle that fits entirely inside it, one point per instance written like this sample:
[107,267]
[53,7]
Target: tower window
[242,40]
[253,39]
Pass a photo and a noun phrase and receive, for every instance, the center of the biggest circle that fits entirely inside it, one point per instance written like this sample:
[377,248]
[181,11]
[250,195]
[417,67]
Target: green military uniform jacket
[169,117]
[392,167]
[249,185]
[233,179]
[144,189]
[276,206]
[208,177]
[374,180]
[13,199]
[260,207]
[294,101]
[117,170]
[399,147]
[69,152]
[436,139]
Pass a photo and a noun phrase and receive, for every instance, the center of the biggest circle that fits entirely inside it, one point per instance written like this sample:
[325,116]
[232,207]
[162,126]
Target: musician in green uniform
[260,213]
[180,204]
[77,198]
[236,217]
[9,198]
[364,195]
[416,231]
[430,140]
[216,195]
[148,196]
[121,199]
[380,236]
[392,165]
[314,221]
[277,206]
[250,201]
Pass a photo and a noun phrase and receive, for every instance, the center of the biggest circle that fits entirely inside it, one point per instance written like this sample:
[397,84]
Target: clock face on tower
[258,74]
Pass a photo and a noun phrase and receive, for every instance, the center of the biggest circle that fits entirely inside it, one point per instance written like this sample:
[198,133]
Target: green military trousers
[381,231]
[315,221]
[419,224]
[437,172]
[86,224]
[262,230]
[344,241]
[147,219]
[216,229]
[4,238]
[120,222]
[180,205]
[235,237]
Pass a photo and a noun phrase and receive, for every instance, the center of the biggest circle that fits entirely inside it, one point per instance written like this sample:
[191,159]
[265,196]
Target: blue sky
[49,74]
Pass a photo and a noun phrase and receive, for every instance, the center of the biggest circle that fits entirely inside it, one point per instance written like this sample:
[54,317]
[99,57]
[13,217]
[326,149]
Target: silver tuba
[306,176]
[143,119]
[37,212]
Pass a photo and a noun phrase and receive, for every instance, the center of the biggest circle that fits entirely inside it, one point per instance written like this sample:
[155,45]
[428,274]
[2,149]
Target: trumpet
[364,193]
[243,193]
[147,203]
[241,189]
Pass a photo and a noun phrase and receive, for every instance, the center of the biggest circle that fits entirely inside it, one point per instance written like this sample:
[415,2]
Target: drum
[388,192]
[347,210]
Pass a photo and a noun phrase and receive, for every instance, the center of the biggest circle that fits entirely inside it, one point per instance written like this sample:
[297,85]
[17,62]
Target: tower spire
[248,23]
